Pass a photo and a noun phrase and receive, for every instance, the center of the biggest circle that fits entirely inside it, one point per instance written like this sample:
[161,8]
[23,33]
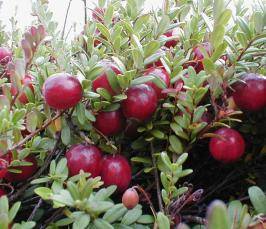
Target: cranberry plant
[106,130]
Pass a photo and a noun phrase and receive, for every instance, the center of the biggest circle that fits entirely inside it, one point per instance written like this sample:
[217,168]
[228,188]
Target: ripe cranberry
[5,55]
[101,80]
[229,148]
[2,192]
[26,171]
[141,102]
[109,123]
[196,64]
[84,157]
[198,55]
[162,74]
[98,14]
[171,43]
[3,167]
[130,198]
[62,91]
[250,95]
[116,171]
[26,82]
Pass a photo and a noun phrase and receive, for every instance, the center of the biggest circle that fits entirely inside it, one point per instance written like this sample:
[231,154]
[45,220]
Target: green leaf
[115,213]
[141,22]
[108,15]
[244,27]
[104,93]
[131,216]
[166,160]
[141,80]
[158,134]
[162,221]
[43,192]
[163,25]
[234,211]
[150,49]
[176,144]
[18,115]
[65,133]
[217,216]
[217,36]
[13,211]
[258,199]
[102,224]
[181,159]
[81,222]
[219,51]
[145,219]
[144,160]
[104,30]
[179,131]
[224,17]
[218,8]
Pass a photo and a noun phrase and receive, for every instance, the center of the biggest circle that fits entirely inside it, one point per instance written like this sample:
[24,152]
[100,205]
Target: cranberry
[109,123]
[116,171]
[102,80]
[26,171]
[162,74]
[229,148]
[157,63]
[62,91]
[84,157]
[3,168]
[26,82]
[196,64]
[130,198]
[250,95]
[98,14]
[171,43]
[2,192]
[198,55]
[141,102]
[5,55]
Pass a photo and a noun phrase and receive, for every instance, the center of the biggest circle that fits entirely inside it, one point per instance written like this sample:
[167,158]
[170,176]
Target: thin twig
[35,210]
[157,181]
[85,11]
[28,137]
[51,219]
[64,27]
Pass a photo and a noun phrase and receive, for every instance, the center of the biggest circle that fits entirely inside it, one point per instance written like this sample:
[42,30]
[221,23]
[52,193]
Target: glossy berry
[62,91]
[84,157]
[2,192]
[3,167]
[101,80]
[27,82]
[5,55]
[116,171]
[250,95]
[130,198]
[141,102]
[171,43]
[26,171]
[109,123]
[163,75]
[229,147]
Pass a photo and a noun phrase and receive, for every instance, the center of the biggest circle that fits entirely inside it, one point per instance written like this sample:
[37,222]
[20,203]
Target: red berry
[198,55]
[196,64]
[26,82]
[5,55]
[2,192]
[109,123]
[130,198]
[116,171]
[250,95]
[162,74]
[26,171]
[98,14]
[84,157]
[229,148]
[3,168]
[157,63]
[171,33]
[141,102]
[62,91]
[101,80]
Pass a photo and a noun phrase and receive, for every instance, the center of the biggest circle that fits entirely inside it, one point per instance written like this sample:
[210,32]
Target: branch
[64,27]
[35,210]
[85,11]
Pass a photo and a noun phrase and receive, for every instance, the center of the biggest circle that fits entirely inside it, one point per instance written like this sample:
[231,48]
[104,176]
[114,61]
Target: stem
[64,27]
[85,11]
[28,137]
[157,181]
[35,209]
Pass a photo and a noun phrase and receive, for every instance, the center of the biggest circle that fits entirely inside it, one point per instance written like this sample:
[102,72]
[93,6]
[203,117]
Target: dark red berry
[27,82]
[229,147]
[101,80]
[109,123]
[25,171]
[116,171]
[141,102]
[5,55]
[84,157]
[250,95]
[171,33]
[3,168]
[62,91]
[130,198]
[98,14]
[163,75]
[2,192]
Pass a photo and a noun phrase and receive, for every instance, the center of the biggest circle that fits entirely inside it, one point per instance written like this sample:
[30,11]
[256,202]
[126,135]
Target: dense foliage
[144,120]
